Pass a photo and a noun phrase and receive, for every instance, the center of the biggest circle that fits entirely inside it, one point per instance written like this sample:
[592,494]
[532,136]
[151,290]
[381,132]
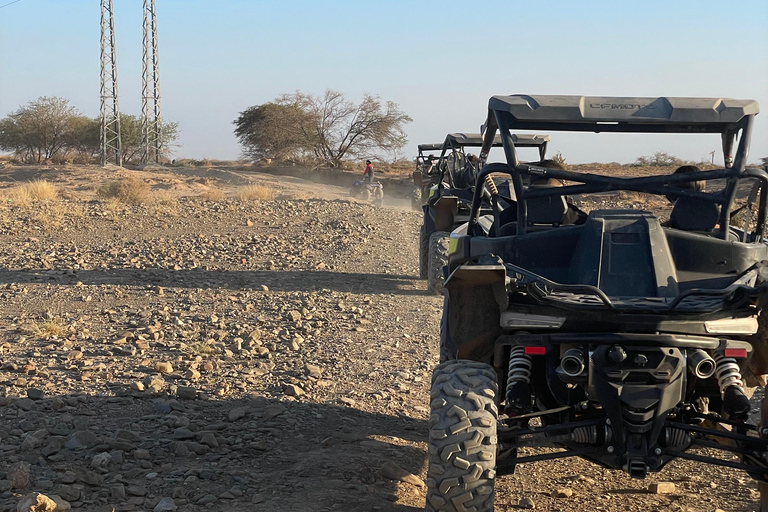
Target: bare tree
[330,127]
[337,128]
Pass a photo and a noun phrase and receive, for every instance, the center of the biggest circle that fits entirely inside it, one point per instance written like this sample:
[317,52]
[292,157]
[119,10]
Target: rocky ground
[243,355]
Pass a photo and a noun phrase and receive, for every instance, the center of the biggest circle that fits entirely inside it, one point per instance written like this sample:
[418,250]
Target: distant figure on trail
[368,174]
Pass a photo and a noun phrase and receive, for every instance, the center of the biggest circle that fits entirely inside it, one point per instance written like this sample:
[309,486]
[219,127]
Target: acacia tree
[39,130]
[330,127]
[50,128]
[131,133]
[272,131]
[83,138]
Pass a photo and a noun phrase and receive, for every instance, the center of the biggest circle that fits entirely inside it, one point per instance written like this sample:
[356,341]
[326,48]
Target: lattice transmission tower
[111,145]
[151,116]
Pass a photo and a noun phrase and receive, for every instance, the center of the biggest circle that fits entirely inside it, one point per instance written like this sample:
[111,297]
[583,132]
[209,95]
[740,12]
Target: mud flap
[476,296]
[757,369]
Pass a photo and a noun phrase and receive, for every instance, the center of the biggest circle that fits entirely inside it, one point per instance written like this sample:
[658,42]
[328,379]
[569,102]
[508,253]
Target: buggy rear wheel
[462,438]
[438,258]
[365,194]
[763,486]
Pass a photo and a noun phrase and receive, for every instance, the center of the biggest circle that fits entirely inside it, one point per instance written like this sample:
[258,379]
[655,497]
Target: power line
[11,3]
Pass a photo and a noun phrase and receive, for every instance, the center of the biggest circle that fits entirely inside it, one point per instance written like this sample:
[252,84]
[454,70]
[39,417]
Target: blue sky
[440,61]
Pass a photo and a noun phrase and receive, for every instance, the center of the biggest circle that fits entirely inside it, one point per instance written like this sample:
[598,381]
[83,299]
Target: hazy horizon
[440,61]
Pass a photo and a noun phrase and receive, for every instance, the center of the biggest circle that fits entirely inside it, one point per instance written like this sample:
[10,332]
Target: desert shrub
[559,158]
[213,194]
[128,190]
[251,192]
[48,328]
[658,159]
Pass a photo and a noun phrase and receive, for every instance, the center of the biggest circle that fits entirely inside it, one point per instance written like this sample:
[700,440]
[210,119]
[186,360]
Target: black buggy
[449,198]
[426,173]
[622,340]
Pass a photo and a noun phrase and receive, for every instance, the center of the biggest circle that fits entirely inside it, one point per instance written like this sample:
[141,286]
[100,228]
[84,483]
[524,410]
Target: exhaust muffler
[572,362]
[701,364]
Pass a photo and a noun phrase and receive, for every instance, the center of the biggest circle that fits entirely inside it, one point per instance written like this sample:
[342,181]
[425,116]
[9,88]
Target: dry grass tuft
[203,347]
[48,328]
[35,191]
[213,194]
[300,196]
[129,190]
[251,192]
[635,197]
[166,198]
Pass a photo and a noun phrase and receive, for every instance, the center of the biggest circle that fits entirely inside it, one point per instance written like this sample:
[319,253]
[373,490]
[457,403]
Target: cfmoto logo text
[621,106]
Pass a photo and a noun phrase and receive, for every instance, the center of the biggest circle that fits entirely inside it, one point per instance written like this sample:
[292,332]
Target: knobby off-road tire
[763,486]
[462,438]
[378,194]
[438,258]
[423,252]
[365,194]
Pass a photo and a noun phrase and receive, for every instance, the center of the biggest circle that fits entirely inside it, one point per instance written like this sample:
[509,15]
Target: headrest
[547,210]
[694,214]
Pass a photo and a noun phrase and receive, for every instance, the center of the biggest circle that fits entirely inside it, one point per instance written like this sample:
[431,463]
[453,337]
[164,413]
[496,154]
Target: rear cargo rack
[588,296]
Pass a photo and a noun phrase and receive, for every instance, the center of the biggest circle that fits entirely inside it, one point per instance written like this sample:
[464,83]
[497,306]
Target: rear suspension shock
[735,402]
[518,391]
[728,372]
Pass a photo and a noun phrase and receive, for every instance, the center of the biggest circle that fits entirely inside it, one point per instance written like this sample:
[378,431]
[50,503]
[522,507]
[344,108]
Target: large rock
[82,439]
[61,504]
[392,471]
[36,502]
[164,505]
[18,475]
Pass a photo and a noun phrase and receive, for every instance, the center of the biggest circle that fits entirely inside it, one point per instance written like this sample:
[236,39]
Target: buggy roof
[601,113]
[476,139]
[430,147]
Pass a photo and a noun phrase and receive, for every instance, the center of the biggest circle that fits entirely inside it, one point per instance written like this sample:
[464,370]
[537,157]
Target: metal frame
[456,142]
[151,116]
[503,122]
[109,112]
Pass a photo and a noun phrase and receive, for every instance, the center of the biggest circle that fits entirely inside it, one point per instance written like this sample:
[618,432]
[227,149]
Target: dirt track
[267,355]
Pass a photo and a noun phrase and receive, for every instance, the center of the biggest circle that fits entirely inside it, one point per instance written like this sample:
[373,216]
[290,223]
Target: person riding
[429,164]
[573,215]
[368,174]
[698,186]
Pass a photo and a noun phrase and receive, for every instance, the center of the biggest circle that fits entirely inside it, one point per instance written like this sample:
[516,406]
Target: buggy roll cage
[456,142]
[727,117]
[429,147]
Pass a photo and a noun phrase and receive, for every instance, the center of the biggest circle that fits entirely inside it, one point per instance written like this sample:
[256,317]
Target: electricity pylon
[109,135]
[151,117]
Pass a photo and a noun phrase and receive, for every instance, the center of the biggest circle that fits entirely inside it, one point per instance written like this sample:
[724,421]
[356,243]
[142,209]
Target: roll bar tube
[592,183]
